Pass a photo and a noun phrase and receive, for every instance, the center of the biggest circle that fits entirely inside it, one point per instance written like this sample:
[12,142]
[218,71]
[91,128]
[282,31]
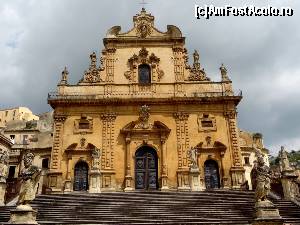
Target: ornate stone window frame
[144,58]
[78,130]
[206,118]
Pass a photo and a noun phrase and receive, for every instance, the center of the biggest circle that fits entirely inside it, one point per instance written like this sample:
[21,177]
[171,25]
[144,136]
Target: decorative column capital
[59,118]
[230,114]
[111,116]
[181,116]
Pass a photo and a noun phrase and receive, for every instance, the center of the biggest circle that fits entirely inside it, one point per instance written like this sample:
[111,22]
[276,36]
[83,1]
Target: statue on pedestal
[263,182]
[192,153]
[30,176]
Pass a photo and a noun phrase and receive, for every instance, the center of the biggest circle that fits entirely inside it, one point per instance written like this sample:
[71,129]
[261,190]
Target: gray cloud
[38,38]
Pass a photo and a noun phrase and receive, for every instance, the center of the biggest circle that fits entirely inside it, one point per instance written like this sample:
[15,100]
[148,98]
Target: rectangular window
[207,123]
[84,124]
[45,163]
[25,139]
[6,113]
[12,171]
[247,161]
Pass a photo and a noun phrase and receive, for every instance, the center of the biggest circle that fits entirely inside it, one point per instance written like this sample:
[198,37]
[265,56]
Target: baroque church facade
[142,118]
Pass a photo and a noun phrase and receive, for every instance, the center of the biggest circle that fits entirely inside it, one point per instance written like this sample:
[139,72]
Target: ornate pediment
[210,144]
[143,29]
[92,74]
[82,145]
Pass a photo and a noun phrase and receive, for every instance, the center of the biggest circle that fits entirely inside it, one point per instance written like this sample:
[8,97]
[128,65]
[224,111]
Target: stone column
[164,169]
[128,177]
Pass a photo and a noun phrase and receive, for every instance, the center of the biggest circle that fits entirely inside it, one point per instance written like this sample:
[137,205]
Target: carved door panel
[81,177]
[146,171]
[211,174]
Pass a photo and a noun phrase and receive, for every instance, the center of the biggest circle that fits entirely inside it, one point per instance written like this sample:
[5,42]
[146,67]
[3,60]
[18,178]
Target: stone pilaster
[164,169]
[107,159]
[179,63]
[109,64]
[183,143]
[128,176]
[55,173]
[237,170]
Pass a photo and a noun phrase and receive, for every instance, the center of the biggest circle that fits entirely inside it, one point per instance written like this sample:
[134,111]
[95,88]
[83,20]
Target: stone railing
[122,91]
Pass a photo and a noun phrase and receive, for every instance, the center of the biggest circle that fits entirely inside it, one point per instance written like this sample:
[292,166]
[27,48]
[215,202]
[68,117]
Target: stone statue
[224,73]
[3,166]
[192,153]
[196,57]
[96,154]
[29,180]
[263,182]
[284,161]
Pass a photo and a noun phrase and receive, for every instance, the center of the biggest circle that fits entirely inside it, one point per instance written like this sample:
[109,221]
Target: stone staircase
[208,207]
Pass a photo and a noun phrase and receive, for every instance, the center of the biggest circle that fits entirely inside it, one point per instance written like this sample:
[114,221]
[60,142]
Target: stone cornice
[90,100]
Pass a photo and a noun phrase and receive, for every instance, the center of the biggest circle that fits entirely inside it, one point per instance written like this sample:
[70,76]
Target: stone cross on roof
[143,3]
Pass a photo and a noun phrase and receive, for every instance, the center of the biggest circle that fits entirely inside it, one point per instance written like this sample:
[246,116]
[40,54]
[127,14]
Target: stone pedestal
[195,180]
[55,181]
[23,214]
[2,193]
[164,183]
[68,186]
[237,177]
[128,184]
[183,180]
[267,214]
[95,185]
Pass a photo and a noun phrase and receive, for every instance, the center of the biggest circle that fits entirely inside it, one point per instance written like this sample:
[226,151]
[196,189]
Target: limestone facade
[141,102]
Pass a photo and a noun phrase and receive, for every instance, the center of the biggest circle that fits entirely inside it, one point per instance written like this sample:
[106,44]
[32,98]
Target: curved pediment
[212,145]
[82,146]
[144,28]
[157,126]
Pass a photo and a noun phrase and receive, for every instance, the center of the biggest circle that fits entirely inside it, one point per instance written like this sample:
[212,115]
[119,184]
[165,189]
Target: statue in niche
[263,179]
[3,166]
[30,176]
[192,154]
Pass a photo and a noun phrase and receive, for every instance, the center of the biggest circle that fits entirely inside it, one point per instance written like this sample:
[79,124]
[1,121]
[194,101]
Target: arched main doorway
[212,178]
[81,176]
[146,168]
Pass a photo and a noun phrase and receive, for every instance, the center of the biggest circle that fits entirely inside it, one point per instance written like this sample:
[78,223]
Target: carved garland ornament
[144,58]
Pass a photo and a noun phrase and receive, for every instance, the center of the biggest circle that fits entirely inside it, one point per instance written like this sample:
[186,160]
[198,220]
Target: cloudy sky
[262,54]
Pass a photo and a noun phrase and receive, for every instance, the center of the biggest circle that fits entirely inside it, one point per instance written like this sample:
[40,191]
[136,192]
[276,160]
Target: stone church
[142,118]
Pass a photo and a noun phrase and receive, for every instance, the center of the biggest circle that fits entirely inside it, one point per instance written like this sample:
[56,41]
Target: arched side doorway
[81,176]
[212,177]
[146,165]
